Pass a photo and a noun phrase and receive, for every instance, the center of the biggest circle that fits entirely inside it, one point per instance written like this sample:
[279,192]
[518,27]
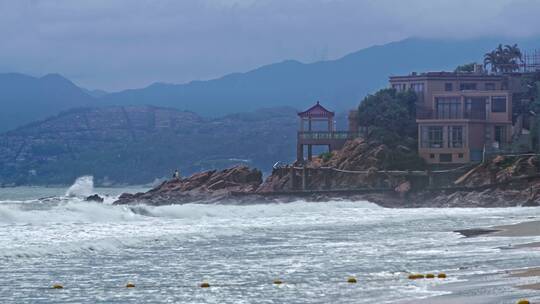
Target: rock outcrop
[356,155]
[504,181]
[205,187]
[94,198]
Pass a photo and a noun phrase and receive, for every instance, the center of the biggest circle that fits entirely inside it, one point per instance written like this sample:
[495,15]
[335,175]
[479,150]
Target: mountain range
[137,144]
[339,84]
[52,131]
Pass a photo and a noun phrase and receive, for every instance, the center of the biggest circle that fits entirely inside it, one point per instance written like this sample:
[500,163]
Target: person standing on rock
[176,174]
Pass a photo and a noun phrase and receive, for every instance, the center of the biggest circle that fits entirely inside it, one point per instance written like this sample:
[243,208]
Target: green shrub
[326,156]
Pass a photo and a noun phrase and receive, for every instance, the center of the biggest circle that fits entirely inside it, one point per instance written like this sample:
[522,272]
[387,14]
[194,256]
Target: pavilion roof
[317,111]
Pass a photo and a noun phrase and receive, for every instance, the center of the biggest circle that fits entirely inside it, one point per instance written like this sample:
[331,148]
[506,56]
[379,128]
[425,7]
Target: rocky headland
[205,187]
[362,170]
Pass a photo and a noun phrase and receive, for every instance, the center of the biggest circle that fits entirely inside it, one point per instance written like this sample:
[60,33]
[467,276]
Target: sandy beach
[462,292]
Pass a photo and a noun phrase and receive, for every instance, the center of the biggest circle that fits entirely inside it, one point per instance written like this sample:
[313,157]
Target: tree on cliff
[390,117]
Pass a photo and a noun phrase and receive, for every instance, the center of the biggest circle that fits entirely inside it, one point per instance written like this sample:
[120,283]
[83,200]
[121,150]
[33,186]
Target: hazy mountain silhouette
[25,99]
[136,144]
[95,93]
[340,84]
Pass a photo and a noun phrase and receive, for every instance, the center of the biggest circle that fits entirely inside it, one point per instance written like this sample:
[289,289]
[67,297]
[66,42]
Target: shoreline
[522,229]
[529,277]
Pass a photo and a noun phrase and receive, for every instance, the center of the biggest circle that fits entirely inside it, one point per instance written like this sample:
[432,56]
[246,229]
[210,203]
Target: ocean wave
[76,210]
[83,187]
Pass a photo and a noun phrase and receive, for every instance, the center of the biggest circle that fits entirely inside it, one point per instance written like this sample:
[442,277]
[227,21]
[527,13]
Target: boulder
[94,198]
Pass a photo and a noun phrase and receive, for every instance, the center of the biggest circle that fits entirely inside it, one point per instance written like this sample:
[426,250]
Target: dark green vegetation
[135,145]
[533,84]
[465,68]
[389,117]
[339,84]
[326,156]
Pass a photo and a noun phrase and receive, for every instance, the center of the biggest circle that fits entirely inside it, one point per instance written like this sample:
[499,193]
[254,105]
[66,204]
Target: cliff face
[356,155]
[135,145]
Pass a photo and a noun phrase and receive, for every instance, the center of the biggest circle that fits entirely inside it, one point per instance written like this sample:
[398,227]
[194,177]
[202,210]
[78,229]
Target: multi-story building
[459,115]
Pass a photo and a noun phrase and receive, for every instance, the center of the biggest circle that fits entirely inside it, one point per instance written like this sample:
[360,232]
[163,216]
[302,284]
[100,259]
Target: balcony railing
[326,135]
[423,113]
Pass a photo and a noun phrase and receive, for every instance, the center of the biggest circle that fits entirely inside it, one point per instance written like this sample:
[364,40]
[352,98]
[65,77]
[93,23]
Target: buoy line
[209,283]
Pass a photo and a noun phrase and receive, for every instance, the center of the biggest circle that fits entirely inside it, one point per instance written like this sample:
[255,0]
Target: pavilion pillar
[304,178]
[299,152]
[292,177]
[310,152]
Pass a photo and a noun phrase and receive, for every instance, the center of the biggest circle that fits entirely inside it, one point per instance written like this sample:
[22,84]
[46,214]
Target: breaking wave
[83,187]
[76,210]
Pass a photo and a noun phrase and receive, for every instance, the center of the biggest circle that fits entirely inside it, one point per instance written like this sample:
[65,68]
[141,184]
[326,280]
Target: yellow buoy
[351,280]
[441,276]
[57,286]
[130,285]
[205,285]
[523,301]
[430,276]
[416,276]
[278,281]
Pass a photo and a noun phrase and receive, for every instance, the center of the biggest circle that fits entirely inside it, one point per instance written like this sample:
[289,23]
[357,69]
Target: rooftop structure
[317,128]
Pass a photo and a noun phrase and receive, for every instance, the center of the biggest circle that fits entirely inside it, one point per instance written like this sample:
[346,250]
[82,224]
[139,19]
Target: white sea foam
[74,241]
[83,187]
[73,211]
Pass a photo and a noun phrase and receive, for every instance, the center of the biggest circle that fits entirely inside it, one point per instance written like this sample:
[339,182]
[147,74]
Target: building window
[431,155]
[500,134]
[475,108]
[460,155]
[417,87]
[435,137]
[448,87]
[445,158]
[455,137]
[467,86]
[498,104]
[490,86]
[448,107]
[431,136]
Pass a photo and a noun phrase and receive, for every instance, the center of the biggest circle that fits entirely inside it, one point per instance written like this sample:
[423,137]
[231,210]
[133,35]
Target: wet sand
[451,299]
[518,230]
[524,229]
[527,273]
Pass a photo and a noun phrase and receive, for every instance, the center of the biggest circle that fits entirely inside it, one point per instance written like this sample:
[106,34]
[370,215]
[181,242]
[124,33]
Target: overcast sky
[118,44]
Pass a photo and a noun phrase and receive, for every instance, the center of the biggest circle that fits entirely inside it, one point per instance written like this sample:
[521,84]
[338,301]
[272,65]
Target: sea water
[52,236]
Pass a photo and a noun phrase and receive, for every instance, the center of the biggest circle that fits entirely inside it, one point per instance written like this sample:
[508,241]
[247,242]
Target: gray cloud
[116,44]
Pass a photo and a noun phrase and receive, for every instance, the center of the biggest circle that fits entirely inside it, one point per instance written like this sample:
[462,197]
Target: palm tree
[504,59]
[515,57]
[491,59]
[514,52]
